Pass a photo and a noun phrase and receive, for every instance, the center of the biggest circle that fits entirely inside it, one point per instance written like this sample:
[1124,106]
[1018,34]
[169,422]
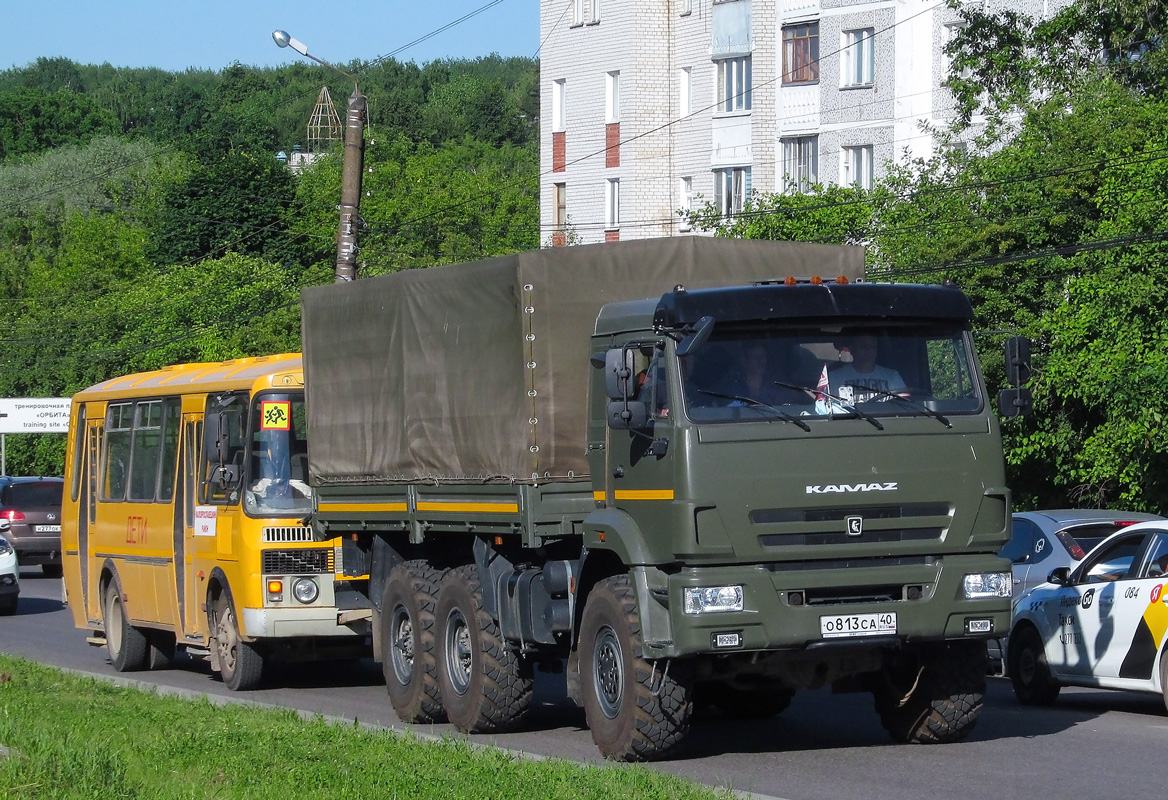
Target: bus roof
[217,376]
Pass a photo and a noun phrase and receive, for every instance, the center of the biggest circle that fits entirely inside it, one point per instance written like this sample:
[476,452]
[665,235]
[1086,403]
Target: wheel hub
[608,672]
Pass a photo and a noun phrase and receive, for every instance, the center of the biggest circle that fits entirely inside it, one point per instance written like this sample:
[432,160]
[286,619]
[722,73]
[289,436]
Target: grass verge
[68,736]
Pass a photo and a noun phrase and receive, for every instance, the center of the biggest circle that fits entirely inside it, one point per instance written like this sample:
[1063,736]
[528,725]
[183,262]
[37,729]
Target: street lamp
[353,167]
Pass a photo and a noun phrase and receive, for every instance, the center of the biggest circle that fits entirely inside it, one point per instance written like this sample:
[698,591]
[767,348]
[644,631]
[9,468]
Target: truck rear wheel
[485,686]
[636,710]
[407,642]
[932,694]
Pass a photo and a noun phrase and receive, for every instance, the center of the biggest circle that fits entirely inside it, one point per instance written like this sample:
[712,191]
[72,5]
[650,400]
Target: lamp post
[353,167]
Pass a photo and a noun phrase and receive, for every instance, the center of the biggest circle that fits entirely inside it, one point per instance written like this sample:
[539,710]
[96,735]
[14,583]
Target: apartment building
[652,107]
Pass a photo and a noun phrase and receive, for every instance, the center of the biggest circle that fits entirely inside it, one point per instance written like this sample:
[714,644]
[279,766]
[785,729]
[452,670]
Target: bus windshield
[277,477]
[888,369]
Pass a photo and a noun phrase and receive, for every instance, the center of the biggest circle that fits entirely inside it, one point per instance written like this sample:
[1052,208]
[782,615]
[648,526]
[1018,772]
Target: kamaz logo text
[841,488]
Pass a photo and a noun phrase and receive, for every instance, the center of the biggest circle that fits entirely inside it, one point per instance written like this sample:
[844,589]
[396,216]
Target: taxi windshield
[903,369]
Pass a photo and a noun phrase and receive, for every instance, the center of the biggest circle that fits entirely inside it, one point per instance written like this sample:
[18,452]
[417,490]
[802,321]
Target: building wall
[650,41]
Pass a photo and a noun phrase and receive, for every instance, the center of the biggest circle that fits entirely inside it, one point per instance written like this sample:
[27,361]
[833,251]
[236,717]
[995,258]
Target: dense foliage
[145,219]
[1052,220]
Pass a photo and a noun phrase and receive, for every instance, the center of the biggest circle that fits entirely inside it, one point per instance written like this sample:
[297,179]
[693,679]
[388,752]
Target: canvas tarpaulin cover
[479,372]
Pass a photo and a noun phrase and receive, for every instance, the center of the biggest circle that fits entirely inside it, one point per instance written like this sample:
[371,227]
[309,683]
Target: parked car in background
[9,573]
[1043,540]
[32,507]
[1100,623]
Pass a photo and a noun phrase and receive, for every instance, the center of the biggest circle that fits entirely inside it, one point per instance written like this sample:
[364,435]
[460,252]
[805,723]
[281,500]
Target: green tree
[32,120]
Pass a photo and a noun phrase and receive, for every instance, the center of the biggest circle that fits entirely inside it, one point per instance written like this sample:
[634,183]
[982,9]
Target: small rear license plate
[46,528]
[839,625]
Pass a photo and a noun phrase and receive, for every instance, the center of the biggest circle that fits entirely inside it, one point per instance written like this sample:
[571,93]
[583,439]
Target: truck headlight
[711,599]
[305,590]
[982,585]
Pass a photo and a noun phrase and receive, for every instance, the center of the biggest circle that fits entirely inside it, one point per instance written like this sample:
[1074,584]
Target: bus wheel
[161,649]
[240,664]
[125,643]
[407,642]
[635,709]
[932,694]
[485,685]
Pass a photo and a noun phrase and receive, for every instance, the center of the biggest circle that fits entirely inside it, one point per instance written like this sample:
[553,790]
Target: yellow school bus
[184,522]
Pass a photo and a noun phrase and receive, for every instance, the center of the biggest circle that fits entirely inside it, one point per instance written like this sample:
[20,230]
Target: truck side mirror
[618,374]
[628,415]
[697,337]
[1017,360]
[1015,402]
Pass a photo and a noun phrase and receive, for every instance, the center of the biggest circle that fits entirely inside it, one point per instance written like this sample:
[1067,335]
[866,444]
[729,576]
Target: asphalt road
[824,747]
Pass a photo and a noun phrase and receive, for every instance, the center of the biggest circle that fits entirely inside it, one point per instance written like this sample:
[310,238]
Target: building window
[558,105]
[858,57]
[684,84]
[734,84]
[684,7]
[857,167]
[585,12]
[612,96]
[731,189]
[685,192]
[612,203]
[949,33]
[801,162]
[801,53]
[559,214]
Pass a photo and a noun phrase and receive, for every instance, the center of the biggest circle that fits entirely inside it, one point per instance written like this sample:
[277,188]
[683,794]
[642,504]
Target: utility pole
[352,168]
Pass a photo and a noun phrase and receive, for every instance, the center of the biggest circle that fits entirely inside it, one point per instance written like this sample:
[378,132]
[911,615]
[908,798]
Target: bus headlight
[983,585]
[712,599]
[305,590]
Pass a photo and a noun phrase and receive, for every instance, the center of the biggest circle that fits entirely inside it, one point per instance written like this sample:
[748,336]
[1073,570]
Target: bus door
[194,535]
[87,513]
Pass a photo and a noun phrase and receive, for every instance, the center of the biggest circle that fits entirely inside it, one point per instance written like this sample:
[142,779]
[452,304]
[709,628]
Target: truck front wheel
[635,709]
[932,693]
[486,687]
[407,642]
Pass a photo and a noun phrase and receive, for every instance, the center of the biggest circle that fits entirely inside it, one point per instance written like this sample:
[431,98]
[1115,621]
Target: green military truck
[539,468]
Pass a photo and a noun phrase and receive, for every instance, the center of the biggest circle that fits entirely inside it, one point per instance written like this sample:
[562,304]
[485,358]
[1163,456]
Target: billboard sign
[34,414]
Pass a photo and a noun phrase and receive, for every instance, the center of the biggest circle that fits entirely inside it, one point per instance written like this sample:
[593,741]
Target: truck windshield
[277,479]
[747,372]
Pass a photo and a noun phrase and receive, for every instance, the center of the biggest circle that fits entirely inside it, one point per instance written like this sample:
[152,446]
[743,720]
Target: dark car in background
[33,508]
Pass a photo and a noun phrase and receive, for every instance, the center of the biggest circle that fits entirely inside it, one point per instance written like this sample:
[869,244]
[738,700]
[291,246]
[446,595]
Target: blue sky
[213,34]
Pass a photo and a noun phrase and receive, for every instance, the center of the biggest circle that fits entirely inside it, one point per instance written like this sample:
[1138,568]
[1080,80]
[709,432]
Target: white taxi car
[9,574]
[1101,623]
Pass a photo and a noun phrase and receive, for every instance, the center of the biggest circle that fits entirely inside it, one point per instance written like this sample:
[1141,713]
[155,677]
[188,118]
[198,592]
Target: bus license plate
[46,528]
[857,625]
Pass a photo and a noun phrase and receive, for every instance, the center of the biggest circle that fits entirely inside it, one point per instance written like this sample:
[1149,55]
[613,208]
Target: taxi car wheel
[1164,678]
[486,686]
[932,694]
[1029,672]
[406,640]
[637,710]
[52,570]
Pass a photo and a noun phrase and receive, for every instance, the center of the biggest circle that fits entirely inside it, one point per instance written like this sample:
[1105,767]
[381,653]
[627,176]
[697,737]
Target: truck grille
[287,533]
[296,562]
[841,537]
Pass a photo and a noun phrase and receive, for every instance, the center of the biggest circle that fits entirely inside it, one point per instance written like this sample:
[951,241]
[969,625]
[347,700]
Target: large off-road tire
[406,638]
[125,643]
[1028,669]
[241,665]
[754,703]
[932,693]
[486,687]
[636,710]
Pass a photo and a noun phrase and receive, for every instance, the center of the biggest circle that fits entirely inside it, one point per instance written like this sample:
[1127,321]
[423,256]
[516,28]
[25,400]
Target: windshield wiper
[910,403]
[851,409]
[752,403]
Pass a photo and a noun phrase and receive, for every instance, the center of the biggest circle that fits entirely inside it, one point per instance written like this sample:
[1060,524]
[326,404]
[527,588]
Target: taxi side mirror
[1059,576]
